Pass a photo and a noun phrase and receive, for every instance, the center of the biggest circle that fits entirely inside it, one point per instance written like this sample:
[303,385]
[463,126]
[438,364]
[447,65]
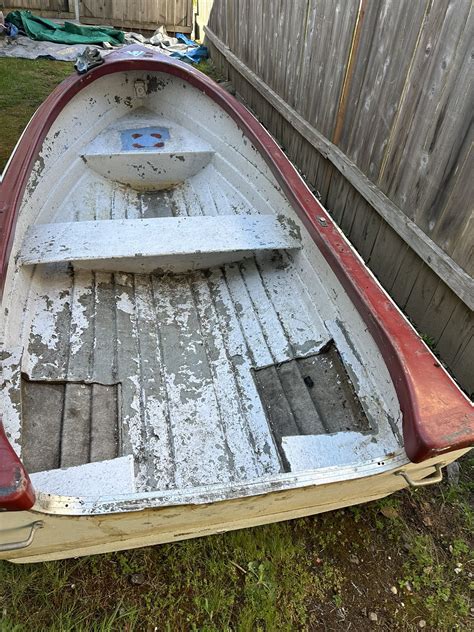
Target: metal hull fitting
[189,344]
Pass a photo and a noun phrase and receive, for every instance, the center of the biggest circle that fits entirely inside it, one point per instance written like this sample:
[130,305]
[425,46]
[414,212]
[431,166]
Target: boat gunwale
[437,417]
[56,504]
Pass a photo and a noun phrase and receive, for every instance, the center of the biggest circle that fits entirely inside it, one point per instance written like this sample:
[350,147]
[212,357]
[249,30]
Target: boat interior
[168,322]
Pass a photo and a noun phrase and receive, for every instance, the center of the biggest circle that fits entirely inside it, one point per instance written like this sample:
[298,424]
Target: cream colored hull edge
[74,536]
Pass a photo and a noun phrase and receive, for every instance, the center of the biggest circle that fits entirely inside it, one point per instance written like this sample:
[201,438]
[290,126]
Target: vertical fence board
[388,36]
[463,364]
[458,330]
[454,229]
[434,116]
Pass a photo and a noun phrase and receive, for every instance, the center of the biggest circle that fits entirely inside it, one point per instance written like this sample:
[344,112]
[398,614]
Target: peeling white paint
[10,396]
[80,320]
[44,323]
[341,448]
[125,304]
[185,345]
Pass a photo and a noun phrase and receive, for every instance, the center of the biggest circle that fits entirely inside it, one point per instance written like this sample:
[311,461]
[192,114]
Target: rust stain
[341,110]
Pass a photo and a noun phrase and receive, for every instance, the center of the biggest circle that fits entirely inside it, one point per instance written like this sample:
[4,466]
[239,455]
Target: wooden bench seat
[167,244]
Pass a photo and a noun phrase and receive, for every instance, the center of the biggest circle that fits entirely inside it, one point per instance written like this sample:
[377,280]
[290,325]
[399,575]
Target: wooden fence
[373,101]
[176,15]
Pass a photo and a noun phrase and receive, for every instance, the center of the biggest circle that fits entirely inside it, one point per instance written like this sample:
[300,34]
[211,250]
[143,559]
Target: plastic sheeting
[180,47]
[26,48]
[41,29]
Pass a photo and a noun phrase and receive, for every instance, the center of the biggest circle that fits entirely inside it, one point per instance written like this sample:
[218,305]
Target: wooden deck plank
[105,330]
[307,417]
[48,343]
[80,361]
[264,310]
[76,425]
[200,450]
[104,439]
[156,456]
[231,405]
[332,392]
[128,362]
[42,410]
[250,326]
[280,414]
[228,315]
[297,313]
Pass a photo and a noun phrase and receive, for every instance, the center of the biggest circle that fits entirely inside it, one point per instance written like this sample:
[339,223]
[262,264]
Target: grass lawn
[24,84]
[403,563]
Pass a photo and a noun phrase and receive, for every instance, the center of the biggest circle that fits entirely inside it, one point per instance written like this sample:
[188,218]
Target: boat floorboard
[183,348]
[310,396]
[68,424]
[172,364]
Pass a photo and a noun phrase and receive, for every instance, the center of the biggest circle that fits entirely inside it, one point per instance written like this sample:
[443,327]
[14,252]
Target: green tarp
[45,30]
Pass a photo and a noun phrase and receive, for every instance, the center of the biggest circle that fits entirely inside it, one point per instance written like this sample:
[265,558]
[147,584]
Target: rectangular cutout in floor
[68,423]
[310,396]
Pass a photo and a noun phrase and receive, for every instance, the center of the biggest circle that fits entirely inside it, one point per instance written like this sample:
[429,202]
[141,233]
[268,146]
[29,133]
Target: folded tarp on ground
[26,48]
[193,53]
[180,46]
[38,28]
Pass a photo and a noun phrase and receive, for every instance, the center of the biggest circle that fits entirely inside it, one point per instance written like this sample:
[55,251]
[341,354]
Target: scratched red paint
[16,490]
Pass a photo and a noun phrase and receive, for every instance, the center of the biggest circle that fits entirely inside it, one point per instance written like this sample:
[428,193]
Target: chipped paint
[125,304]
[10,395]
[175,155]
[176,244]
[80,319]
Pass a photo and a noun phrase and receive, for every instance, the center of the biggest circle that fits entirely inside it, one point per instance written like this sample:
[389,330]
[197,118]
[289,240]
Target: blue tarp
[194,53]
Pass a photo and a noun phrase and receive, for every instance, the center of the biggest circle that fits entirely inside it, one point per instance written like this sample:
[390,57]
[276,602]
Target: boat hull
[189,364]
[64,536]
